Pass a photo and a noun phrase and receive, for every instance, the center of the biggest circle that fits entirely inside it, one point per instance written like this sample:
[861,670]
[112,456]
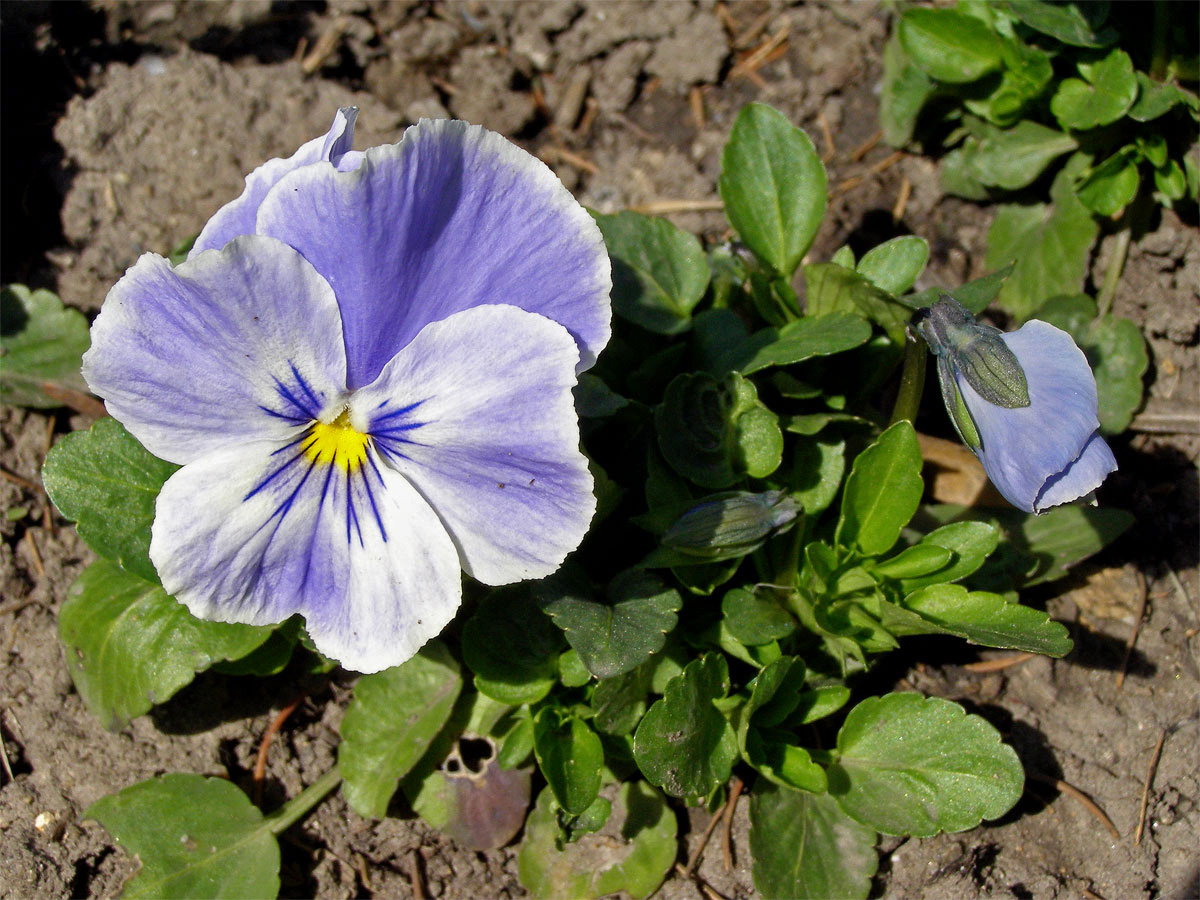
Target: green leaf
[1111,186]
[754,616]
[619,634]
[1104,94]
[271,657]
[817,473]
[818,703]
[970,543]
[394,717]
[812,336]
[714,431]
[196,837]
[1049,245]
[949,45]
[570,757]
[683,744]
[512,647]
[982,618]
[895,265]
[804,846]
[659,272]
[632,852]
[41,347]
[974,295]
[882,492]
[107,482]
[1115,349]
[831,288]
[914,765]
[129,646]
[1013,158]
[774,694]
[596,400]
[773,186]
[1155,98]
[1077,24]
[904,92]
[619,703]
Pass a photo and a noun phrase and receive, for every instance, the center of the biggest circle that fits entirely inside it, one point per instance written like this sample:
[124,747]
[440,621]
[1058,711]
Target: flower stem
[1158,59]
[296,808]
[1112,276]
[912,381]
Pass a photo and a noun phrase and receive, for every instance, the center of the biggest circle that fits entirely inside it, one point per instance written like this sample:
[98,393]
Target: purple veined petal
[256,533]
[477,413]
[1079,479]
[1025,448]
[238,216]
[234,345]
[450,218]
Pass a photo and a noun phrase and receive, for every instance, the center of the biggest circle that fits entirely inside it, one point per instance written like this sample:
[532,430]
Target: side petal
[1023,448]
[237,217]
[1080,478]
[236,344]
[258,533]
[476,412]
[450,218]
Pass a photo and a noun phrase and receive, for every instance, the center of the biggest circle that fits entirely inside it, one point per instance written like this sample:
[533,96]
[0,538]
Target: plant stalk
[912,380]
[1112,276]
[299,806]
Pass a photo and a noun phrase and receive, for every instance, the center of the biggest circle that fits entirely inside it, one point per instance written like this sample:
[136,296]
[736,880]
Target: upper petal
[258,533]
[1024,447]
[232,345]
[450,218]
[477,413]
[238,216]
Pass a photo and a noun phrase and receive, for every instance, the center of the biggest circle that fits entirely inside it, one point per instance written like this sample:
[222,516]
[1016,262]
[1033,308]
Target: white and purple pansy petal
[477,413]
[234,345]
[450,218]
[238,216]
[317,527]
[1048,452]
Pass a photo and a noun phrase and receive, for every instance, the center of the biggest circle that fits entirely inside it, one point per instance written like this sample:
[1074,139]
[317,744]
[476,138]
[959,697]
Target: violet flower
[365,371]
[1025,402]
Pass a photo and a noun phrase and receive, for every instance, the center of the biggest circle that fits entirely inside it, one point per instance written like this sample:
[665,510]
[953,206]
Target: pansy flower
[1025,402]
[364,369]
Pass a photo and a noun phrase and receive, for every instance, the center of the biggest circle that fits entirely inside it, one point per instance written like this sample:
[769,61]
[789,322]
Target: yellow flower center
[337,443]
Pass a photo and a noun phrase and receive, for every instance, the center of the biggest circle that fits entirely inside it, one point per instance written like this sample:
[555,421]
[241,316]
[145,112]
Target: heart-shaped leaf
[1104,93]
[914,765]
[106,482]
[394,717]
[129,646]
[194,836]
[616,636]
[805,846]
[659,271]
[683,744]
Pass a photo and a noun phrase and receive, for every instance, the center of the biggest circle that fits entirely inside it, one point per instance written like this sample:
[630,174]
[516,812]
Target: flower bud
[736,520]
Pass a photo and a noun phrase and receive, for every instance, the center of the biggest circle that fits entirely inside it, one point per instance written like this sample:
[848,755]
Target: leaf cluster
[760,541]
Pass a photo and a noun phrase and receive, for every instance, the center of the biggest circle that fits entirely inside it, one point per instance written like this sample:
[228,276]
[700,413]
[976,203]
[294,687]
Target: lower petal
[477,413]
[1080,478]
[258,533]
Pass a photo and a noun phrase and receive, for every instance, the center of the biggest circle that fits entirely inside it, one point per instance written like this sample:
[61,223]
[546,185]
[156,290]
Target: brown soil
[143,118]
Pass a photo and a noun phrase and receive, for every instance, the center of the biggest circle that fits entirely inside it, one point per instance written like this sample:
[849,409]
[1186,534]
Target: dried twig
[752,31]
[571,103]
[23,482]
[996,665]
[705,888]
[696,102]
[902,200]
[694,859]
[324,45]
[735,790]
[552,155]
[1088,803]
[1090,894]
[866,146]
[4,760]
[76,400]
[666,207]
[415,876]
[16,605]
[750,63]
[826,137]
[1137,627]
[34,555]
[260,764]
[1150,769]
